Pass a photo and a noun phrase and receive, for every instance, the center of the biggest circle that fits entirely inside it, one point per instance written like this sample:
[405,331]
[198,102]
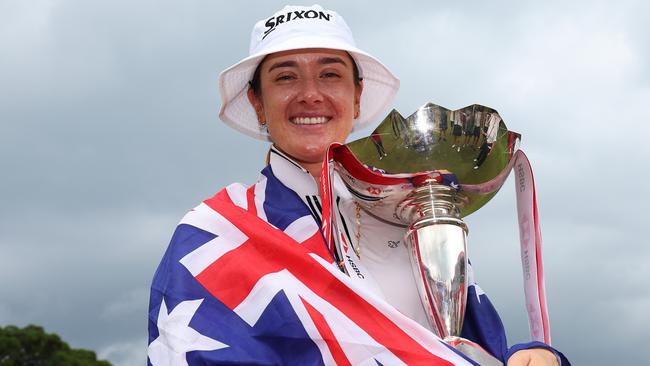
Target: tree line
[32,346]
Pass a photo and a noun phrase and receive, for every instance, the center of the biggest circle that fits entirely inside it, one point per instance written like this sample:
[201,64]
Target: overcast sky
[109,133]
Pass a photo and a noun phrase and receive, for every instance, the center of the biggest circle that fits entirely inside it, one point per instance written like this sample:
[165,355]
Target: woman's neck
[314,168]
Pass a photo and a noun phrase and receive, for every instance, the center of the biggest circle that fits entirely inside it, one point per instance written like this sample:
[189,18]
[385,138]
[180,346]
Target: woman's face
[308,99]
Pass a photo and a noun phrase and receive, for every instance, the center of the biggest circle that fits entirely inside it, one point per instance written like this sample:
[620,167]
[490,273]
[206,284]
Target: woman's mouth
[309,120]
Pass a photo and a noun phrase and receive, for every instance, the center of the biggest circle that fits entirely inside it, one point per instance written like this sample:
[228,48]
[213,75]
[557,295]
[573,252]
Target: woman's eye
[330,75]
[284,77]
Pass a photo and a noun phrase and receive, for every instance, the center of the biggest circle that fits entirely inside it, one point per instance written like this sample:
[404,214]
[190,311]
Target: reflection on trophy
[410,172]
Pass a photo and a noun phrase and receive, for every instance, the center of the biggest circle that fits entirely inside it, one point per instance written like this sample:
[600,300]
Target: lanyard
[331,225]
[530,239]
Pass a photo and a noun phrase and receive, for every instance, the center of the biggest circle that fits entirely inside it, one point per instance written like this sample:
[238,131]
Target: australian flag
[247,280]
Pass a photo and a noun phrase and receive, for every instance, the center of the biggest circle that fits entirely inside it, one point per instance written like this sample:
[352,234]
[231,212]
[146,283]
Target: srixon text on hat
[274,21]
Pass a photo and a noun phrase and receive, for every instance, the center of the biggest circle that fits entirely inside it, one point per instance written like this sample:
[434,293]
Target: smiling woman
[248,277]
[307,99]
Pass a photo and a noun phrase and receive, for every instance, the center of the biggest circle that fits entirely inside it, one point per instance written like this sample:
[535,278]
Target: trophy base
[473,351]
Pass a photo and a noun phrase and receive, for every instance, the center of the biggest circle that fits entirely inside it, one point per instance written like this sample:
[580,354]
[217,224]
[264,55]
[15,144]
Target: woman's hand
[533,357]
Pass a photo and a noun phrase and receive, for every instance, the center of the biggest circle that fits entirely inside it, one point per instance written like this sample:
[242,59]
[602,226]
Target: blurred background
[109,133]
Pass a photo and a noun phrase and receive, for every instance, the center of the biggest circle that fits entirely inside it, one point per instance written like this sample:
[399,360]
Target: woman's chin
[309,154]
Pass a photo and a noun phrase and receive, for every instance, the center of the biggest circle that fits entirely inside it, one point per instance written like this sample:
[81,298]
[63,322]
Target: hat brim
[379,85]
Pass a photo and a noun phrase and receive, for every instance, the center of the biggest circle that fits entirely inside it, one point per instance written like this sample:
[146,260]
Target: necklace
[357,234]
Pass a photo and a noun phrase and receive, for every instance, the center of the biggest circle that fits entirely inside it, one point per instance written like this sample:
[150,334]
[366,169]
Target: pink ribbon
[530,239]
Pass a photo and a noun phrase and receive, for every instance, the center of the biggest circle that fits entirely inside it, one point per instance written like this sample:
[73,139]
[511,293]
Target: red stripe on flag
[250,198]
[223,195]
[315,244]
[326,334]
[233,275]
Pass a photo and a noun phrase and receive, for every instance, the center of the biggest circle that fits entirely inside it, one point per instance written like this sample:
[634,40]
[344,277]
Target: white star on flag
[177,337]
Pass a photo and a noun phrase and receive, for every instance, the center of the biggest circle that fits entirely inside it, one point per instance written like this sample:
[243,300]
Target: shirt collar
[291,174]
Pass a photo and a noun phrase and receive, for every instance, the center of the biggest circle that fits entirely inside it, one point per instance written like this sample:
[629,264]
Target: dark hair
[255,83]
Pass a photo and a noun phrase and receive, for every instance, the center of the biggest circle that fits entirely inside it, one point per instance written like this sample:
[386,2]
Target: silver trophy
[413,170]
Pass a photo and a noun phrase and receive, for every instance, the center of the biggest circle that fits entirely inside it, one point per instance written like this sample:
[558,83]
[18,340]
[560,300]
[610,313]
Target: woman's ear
[257,105]
[357,99]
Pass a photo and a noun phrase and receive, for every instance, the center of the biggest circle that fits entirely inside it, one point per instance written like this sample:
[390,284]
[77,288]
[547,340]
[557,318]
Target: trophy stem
[437,239]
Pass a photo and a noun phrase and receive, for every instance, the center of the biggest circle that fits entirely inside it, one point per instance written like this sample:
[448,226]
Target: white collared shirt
[383,251]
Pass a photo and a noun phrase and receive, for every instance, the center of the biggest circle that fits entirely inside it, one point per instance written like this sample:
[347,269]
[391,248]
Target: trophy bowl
[473,143]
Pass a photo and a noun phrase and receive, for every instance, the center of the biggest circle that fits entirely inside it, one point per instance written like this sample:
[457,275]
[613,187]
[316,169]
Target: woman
[247,278]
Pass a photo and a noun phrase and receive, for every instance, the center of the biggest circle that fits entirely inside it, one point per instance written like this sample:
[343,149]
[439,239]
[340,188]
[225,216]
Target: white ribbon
[530,239]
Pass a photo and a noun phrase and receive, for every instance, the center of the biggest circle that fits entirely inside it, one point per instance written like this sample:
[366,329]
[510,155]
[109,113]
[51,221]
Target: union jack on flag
[247,280]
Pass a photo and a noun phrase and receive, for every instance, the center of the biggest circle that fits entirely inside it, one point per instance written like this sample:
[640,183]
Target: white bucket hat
[296,27]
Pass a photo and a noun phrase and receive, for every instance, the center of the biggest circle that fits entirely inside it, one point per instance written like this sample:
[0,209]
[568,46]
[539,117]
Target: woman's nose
[310,91]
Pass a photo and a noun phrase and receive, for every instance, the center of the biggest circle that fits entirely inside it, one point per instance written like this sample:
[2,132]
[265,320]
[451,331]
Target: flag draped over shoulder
[247,280]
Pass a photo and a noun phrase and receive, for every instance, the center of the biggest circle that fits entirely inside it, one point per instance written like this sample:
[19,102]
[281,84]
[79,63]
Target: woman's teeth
[309,120]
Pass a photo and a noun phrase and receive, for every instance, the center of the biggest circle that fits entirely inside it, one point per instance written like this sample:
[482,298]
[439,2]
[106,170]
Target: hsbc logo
[374,190]
[354,267]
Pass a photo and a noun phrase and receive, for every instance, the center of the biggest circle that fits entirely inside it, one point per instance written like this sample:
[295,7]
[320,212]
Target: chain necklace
[357,233]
